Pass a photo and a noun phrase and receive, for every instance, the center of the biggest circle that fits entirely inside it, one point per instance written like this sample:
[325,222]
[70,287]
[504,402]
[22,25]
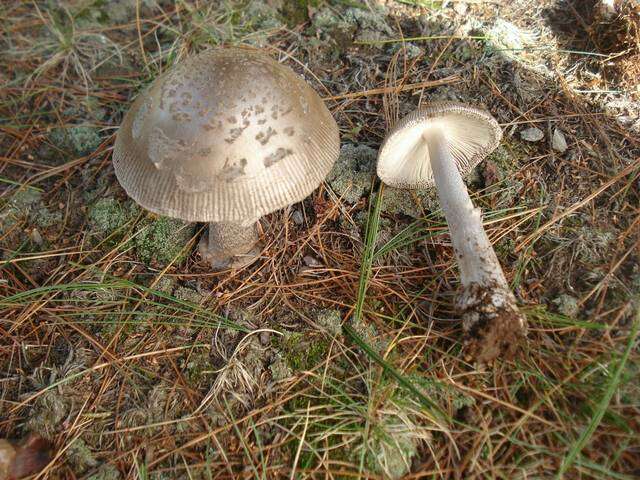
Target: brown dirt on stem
[493,325]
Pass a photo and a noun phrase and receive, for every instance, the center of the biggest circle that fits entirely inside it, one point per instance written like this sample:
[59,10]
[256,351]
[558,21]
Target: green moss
[370,335]
[165,285]
[353,173]
[410,49]
[508,40]
[414,203]
[344,26]
[17,208]
[198,367]
[442,393]
[301,352]
[497,172]
[258,16]
[567,305]
[505,247]
[594,244]
[388,451]
[13,212]
[334,29]
[25,199]
[505,157]
[48,412]
[279,368]
[45,218]
[371,24]
[162,240]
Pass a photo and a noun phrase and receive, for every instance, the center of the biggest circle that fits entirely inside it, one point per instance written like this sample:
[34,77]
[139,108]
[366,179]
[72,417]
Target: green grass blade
[603,404]
[371,235]
[433,408]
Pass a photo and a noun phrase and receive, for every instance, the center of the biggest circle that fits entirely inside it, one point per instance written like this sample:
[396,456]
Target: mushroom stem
[491,318]
[476,258]
[230,244]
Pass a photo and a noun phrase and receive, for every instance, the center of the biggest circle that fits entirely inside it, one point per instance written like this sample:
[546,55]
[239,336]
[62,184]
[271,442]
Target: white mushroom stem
[488,306]
[477,260]
[230,244]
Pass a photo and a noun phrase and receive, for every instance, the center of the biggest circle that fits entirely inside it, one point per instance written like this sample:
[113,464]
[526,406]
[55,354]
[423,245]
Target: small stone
[36,237]
[265,337]
[558,141]
[297,217]
[460,8]
[310,261]
[532,134]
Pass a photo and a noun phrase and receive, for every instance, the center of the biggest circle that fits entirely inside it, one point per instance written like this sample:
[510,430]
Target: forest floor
[338,353]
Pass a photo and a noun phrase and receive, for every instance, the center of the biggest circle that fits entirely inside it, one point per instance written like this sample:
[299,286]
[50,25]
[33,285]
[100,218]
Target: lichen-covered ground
[338,353]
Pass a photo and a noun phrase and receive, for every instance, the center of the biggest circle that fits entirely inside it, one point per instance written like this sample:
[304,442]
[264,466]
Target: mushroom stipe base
[230,244]
[493,325]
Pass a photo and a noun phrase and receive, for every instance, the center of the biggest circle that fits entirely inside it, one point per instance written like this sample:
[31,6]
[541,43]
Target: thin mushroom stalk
[486,298]
[437,145]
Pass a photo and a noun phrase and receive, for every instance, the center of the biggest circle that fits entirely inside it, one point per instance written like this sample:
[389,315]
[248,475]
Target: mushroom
[225,137]
[440,143]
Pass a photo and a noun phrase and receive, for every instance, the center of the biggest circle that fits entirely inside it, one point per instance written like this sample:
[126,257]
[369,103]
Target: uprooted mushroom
[439,144]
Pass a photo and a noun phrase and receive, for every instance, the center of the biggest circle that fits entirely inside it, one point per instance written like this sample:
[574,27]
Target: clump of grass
[360,419]
[68,49]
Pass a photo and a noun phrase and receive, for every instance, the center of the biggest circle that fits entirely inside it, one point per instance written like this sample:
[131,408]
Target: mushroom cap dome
[227,135]
[403,159]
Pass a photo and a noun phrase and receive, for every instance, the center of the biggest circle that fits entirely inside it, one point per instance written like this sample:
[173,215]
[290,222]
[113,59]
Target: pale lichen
[330,321]
[80,457]
[108,215]
[162,240]
[567,305]
[353,177]
[81,140]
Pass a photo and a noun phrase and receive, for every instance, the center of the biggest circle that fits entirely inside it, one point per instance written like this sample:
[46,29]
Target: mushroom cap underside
[404,157]
[227,135]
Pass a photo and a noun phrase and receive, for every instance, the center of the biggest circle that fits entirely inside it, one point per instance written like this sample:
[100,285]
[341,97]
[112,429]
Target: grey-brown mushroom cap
[403,158]
[227,135]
